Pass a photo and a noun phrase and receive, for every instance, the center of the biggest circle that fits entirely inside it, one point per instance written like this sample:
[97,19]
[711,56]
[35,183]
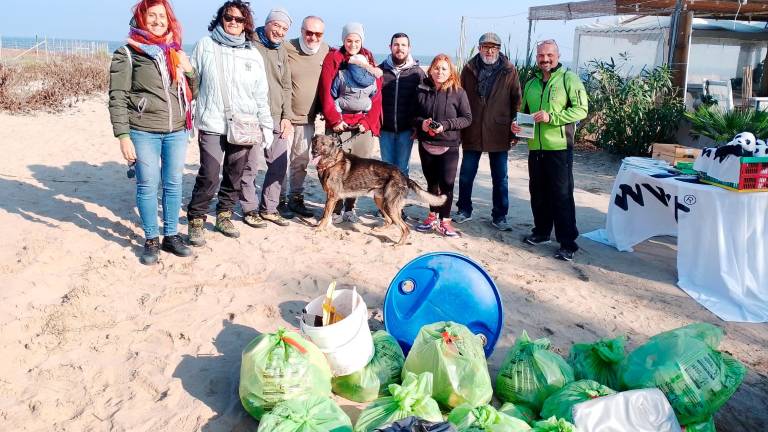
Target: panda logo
[746,140]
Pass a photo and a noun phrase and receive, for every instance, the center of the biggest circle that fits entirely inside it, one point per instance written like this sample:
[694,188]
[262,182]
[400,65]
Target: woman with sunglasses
[240,73]
[150,92]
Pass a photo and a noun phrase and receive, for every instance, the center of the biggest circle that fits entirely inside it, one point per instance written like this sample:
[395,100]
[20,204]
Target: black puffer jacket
[398,95]
[449,108]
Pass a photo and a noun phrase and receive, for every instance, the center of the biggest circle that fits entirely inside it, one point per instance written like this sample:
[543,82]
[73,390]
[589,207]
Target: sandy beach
[94,341]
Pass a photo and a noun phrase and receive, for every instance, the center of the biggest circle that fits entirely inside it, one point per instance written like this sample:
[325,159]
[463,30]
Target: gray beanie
[353,27]
[279,14]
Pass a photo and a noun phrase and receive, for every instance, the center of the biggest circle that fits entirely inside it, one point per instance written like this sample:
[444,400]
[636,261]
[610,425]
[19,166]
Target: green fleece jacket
[563,97]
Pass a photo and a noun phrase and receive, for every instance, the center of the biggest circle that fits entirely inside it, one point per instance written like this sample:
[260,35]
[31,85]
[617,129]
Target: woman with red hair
[150,92]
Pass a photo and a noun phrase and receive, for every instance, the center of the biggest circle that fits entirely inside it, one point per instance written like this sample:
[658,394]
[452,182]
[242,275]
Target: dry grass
[51,86]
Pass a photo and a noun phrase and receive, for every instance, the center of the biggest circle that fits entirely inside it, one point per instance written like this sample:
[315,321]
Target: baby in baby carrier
[355,85]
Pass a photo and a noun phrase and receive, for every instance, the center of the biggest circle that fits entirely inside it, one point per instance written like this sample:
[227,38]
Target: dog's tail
[424,196]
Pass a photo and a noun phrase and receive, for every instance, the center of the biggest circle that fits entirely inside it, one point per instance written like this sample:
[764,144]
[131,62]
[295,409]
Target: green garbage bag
[412,398]
[484,418]
[599,361]
[281,366]
[553,424]
[530,373]
[561,403]
[707,426]
[519,411]
[372,381]
[684,364]
[456,358]
[307,414]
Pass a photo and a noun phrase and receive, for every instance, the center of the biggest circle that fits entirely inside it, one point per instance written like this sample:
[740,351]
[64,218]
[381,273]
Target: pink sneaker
[446,228]
[429,223]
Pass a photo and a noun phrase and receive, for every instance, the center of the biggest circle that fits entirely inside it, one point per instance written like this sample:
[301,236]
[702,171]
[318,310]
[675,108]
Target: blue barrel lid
[443,286]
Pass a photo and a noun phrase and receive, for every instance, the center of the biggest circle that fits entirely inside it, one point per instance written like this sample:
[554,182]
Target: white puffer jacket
[244,77]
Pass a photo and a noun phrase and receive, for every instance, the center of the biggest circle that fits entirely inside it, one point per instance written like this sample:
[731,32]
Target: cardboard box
[674,153]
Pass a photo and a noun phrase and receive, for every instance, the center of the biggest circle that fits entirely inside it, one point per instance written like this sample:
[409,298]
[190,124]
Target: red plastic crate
[752,178]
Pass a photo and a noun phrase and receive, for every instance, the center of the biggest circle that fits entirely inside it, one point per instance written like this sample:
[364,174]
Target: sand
[94,341]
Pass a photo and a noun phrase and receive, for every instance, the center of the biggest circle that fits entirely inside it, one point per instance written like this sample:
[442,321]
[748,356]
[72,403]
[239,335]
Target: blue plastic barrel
[443,286]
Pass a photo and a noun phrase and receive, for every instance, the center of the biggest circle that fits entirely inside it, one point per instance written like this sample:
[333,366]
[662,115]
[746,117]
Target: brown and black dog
[346,176]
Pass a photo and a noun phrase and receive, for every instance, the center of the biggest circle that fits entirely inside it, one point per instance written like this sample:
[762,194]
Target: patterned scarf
[262,34]
[164,51]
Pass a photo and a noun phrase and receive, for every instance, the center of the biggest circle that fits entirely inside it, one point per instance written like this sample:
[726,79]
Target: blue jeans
[159,156]
[498,162]
[396,148]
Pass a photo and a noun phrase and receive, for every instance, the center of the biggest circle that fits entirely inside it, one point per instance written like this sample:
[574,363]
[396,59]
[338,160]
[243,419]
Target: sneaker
[337,218]
[252,219]
[276,218]
[151,251]
[564,254]
[296,205]
[196,232]
[502,225]
[429,223]
[445,228]
[225,226]
[284,210]
[351,216]
[175,245]
[461,217]
[535,239]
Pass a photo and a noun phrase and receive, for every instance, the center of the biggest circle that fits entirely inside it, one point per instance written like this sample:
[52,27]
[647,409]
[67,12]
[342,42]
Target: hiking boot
[429,223]
[536,239]
[175,245]
[564,254]
[225,226]
[196,232]
[151,251]
[446,228]
[284,210]
[502,225]
[296,204]
[276,218]
[461,217]
[252,219]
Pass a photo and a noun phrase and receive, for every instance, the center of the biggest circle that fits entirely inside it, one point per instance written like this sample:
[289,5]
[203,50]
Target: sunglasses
[315,34]
[230,18]
[545,42]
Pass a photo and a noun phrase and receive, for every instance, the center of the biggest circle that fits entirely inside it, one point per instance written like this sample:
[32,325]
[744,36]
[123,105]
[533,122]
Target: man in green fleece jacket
[557,99]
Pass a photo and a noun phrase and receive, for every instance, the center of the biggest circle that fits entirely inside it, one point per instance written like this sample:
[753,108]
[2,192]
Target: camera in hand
[434,125]
[131,173]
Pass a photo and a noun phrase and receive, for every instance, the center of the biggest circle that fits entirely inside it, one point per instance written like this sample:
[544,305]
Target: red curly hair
[140,17]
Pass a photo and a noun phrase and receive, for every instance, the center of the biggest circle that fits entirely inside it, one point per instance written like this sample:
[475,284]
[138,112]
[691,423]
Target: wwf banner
[722,237]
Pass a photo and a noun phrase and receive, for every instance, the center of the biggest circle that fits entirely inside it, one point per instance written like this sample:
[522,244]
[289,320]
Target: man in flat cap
[493,89]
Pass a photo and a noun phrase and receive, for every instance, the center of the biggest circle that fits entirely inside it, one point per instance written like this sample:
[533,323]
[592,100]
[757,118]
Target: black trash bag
[415,424]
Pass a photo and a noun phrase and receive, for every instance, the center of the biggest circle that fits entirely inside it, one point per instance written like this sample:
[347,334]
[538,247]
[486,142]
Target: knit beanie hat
[279,14]
[351,28]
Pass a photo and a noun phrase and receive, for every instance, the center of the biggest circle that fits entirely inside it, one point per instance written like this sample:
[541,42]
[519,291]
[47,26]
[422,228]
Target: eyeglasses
[546,42]
[490,47]
[230,18]
[315,34]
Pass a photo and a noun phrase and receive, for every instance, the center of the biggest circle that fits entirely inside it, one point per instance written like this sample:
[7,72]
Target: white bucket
[347,344]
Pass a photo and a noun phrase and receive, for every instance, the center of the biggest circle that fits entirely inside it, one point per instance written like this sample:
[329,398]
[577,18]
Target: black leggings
[440,172]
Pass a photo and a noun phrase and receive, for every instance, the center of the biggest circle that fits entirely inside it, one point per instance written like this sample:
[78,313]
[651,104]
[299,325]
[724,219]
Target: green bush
[721,126]
[629,113]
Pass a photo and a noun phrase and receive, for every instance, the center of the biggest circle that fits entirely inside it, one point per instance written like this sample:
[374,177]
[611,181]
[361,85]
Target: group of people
[239,71]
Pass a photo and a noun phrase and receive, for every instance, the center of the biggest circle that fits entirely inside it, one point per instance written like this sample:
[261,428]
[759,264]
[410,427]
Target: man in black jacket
[402,76]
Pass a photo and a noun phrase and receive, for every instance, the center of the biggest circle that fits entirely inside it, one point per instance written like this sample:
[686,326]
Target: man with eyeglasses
[402,76]
[269,43]
[557,99]
[493,90]
[305,58]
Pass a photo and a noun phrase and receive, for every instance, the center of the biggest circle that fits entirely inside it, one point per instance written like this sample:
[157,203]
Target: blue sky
[433,26]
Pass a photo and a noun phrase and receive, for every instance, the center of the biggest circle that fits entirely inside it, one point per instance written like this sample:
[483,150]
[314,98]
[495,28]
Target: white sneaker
[337,218]
[351,216]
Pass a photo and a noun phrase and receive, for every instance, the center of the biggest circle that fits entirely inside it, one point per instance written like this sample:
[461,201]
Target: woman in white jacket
[245,81]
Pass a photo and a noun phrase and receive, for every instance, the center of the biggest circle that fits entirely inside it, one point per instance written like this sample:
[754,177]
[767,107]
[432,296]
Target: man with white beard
[493,90]
[305,59]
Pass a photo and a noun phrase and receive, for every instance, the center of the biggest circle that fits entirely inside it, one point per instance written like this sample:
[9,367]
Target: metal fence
[47,49]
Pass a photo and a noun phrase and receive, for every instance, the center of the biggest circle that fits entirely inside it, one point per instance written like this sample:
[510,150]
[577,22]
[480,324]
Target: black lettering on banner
[659,193]
[627,191]
[680,206]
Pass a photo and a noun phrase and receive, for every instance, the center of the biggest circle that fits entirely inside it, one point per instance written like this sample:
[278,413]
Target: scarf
[262,34]
[164,52]
[306,49]
[487,74]
[223,38]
